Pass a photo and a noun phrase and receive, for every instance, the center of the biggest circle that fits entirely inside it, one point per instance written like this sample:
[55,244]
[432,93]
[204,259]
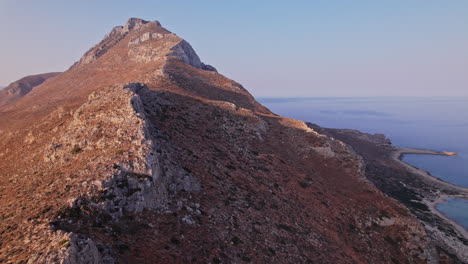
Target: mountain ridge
[21,87]
[140,152]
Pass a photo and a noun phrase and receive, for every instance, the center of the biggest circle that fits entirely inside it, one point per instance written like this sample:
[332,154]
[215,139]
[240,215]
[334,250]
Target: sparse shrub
[120,151]
[69,212]
[175,241]
[384,214]
[45,210]
[290,229]
[76,150]
[230,167]
[236,240]
[246,259]
[390,240]
[303,184]
[122,247]
[272,251]
[7,216]
[64,243]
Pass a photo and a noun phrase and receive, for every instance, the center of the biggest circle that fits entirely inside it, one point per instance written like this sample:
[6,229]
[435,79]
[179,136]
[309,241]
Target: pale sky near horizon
[273,48]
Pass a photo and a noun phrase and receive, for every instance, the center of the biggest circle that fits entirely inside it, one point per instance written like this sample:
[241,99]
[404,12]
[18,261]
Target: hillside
[142,153]
[17,89]
[416,189]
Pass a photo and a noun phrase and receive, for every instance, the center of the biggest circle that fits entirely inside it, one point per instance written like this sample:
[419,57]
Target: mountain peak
[138,32]
[136,23]
[115,36]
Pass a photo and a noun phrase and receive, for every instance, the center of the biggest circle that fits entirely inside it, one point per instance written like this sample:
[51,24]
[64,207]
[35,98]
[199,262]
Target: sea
[435,123]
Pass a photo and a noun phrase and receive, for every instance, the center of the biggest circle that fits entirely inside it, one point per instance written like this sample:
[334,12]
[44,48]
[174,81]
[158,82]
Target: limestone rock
[184,51]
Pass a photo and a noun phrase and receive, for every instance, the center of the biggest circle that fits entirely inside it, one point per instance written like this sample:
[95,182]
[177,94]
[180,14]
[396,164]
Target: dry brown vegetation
[235,183]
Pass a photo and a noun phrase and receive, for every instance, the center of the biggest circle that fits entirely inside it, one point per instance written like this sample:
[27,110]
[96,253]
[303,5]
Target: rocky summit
[142,153]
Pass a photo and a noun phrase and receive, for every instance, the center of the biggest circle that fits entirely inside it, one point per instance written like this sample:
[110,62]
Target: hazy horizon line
[302,98]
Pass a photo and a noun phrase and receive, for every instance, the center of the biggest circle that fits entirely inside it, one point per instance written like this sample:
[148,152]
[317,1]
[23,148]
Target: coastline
[397,154]
[416,189]
[442,198]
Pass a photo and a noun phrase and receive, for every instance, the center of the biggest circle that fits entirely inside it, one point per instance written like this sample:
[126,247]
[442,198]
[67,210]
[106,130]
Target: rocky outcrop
[184,51]
[84,250]
[145,37]
[111,39]
[135,24]
[181,50]
[146,185]
[133,185]
[102,47]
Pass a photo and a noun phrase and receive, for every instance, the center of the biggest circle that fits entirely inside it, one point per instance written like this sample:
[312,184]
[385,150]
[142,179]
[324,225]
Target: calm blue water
[455,209]
[418,122]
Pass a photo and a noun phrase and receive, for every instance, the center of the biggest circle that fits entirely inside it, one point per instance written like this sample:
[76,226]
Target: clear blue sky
[274,48]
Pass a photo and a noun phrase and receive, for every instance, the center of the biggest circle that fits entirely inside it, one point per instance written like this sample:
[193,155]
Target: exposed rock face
[23,86]
[84,250]
[147,184]
[144,37]
[141,153]
[185,52]
[137,26]
[111,39]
